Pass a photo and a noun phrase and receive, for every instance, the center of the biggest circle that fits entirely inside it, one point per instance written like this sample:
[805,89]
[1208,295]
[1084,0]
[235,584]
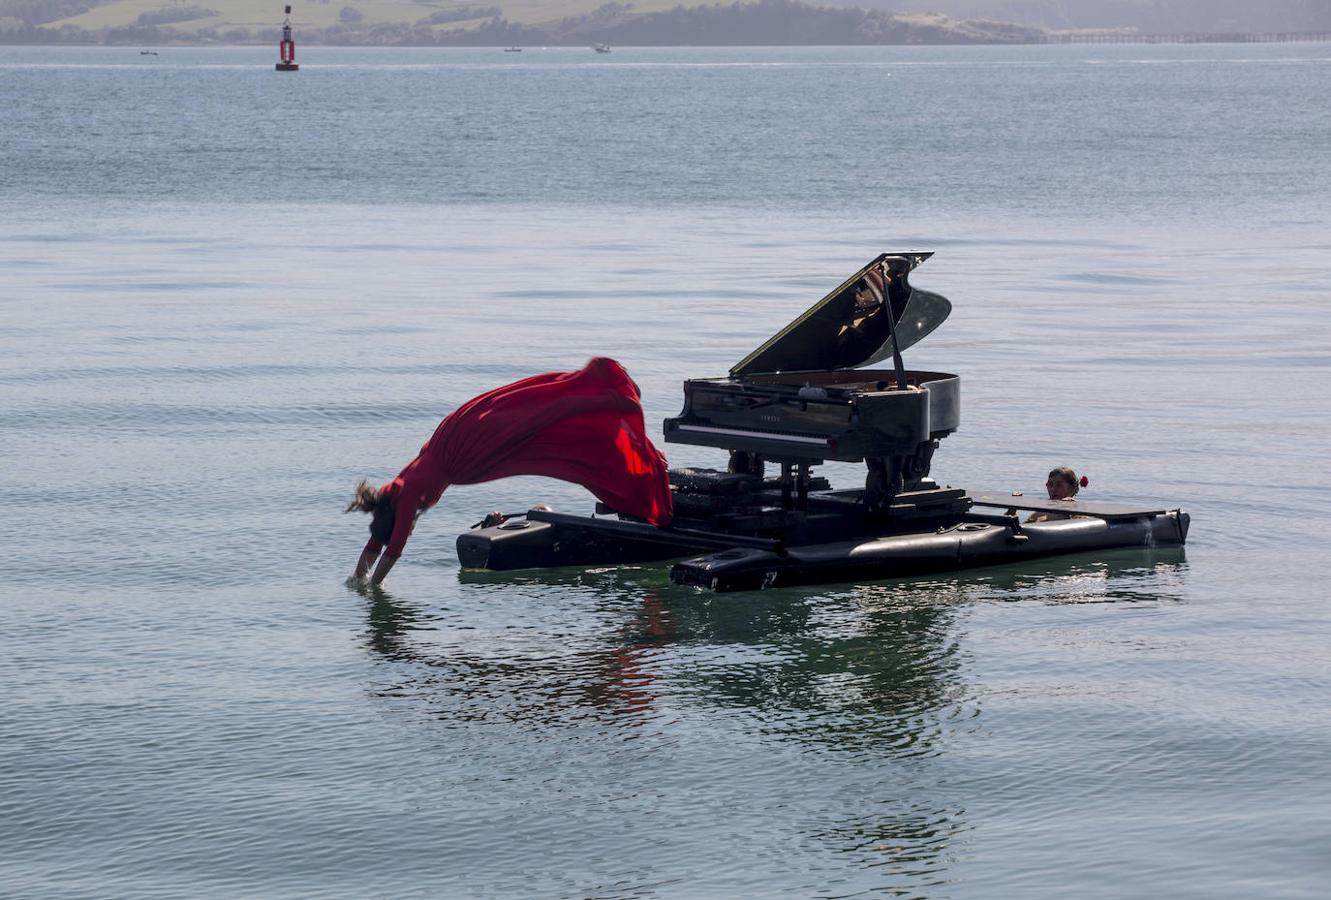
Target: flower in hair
[1085,482]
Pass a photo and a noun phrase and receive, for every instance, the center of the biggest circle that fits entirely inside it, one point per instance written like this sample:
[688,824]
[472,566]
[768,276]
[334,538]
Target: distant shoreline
[1050,39]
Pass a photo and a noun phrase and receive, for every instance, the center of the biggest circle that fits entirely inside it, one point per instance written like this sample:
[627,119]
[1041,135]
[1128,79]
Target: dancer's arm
[367,558]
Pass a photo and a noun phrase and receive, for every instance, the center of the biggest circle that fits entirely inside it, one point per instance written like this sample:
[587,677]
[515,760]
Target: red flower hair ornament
[1085,482]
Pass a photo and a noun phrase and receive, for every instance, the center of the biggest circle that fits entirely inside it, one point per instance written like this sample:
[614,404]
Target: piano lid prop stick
[892,328]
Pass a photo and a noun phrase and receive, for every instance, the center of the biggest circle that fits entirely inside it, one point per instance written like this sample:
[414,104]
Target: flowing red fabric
[585,427]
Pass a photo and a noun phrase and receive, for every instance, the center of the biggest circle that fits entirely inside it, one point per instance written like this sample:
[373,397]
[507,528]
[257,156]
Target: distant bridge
[1221,37]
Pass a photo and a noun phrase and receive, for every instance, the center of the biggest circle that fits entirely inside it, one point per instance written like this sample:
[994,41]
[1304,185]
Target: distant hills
[1144,16]
[643,23]
[487,23]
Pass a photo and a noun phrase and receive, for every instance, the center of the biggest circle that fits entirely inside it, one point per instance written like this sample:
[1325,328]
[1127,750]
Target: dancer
[585,427]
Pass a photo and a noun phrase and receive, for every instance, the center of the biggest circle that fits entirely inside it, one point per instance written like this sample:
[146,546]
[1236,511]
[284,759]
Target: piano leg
[889,476]
[916,467]
[795,478]
[743,462]
[883,482]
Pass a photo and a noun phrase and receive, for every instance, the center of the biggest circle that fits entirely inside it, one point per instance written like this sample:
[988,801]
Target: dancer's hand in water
[367,558]
[381,571]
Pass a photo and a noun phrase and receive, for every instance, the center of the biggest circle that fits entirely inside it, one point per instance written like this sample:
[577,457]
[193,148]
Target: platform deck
[1007,500]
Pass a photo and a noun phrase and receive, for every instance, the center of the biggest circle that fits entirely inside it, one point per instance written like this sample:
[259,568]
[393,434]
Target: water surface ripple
[226,296]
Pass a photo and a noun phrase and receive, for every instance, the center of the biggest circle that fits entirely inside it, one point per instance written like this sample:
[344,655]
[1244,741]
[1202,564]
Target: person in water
[1062,484]
[381,504]
[585,427]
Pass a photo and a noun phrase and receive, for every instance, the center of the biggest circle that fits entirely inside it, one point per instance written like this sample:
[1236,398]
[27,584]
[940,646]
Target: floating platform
[808,395]
[831,540]
[968,544]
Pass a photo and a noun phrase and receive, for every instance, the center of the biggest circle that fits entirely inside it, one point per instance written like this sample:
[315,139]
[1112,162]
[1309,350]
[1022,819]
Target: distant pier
[1221,37]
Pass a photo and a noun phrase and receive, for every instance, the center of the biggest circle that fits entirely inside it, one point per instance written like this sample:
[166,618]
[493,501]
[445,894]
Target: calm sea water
[227,294]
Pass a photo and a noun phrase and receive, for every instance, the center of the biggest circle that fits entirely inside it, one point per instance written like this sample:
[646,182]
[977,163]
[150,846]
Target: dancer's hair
[375,501]
[366,498]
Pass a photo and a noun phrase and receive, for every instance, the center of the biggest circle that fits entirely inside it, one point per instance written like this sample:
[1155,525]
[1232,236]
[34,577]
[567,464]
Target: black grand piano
[800,400]
[832,385]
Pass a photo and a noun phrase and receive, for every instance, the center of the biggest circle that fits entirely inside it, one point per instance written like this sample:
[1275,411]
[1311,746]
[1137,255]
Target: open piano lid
[848,327]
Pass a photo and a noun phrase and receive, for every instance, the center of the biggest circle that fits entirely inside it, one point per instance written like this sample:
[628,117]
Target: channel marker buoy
[287,49]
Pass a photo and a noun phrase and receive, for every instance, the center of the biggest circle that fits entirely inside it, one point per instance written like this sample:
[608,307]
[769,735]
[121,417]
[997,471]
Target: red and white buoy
[287,49]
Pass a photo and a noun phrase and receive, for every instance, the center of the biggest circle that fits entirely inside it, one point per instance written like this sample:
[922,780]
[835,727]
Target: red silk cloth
[585,427]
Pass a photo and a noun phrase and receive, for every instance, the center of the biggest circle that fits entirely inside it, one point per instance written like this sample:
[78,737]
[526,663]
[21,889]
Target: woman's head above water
[1063,483]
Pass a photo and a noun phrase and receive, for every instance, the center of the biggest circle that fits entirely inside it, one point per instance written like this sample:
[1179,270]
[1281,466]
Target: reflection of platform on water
[1127,575]
[893,634]
[795,676]
[623,666]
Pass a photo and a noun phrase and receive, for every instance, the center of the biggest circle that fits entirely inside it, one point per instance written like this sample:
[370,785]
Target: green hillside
[486,23]
[264,14]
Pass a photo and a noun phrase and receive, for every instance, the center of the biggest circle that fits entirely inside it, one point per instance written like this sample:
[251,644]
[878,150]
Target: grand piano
[800,399]
[830,386]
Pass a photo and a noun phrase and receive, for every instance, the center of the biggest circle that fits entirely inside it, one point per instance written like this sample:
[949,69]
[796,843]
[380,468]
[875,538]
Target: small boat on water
[147,53]
[512,49]
[601,48]
[801,400]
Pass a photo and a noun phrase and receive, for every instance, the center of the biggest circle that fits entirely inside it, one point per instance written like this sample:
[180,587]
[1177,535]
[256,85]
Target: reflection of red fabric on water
[585,427]
[632,681]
